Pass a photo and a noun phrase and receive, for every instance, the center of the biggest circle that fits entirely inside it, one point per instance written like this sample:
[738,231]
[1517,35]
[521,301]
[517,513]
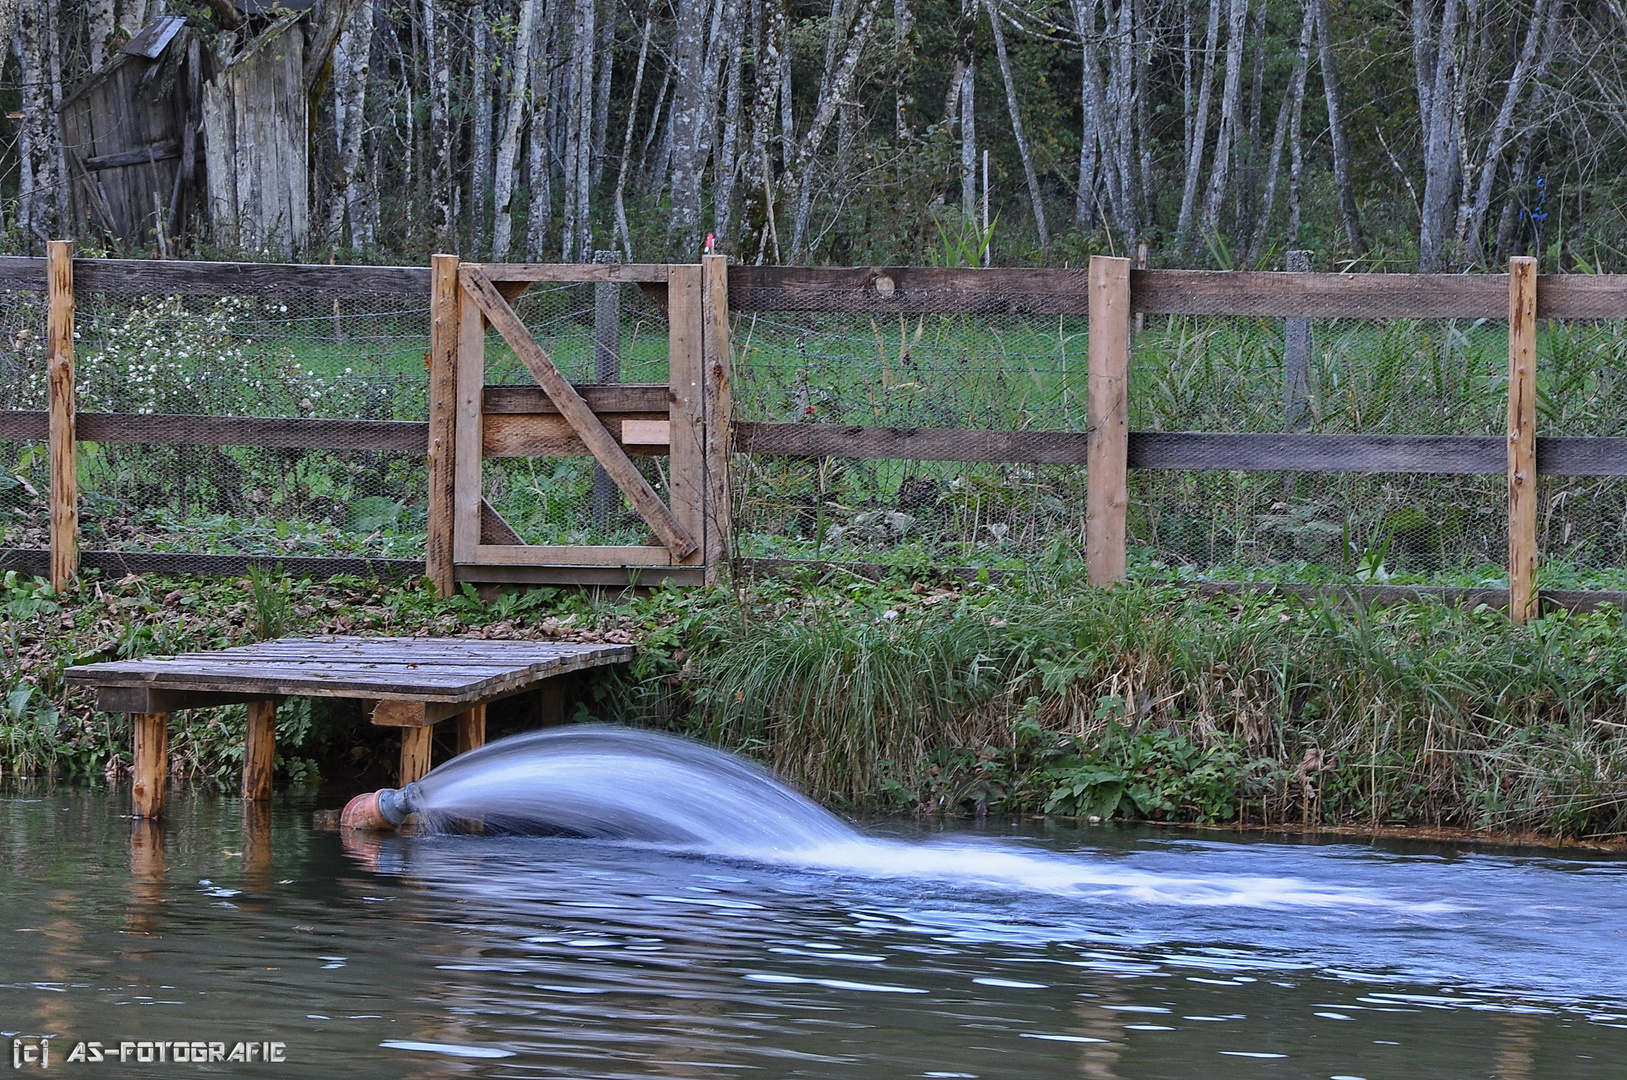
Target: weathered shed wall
[123,139]
[256,144]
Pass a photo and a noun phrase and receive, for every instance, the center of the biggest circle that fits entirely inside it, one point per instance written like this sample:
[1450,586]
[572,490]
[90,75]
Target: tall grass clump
[1153,701]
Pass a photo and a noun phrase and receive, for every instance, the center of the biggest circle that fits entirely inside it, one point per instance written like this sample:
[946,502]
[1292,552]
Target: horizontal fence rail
[1460,455]
[160,429]
[918,290]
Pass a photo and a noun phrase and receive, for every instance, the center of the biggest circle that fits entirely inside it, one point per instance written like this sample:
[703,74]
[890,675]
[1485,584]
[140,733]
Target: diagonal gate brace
[576,412]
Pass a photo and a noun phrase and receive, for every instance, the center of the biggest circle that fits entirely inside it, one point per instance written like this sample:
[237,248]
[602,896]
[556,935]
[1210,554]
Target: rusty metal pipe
[381,810]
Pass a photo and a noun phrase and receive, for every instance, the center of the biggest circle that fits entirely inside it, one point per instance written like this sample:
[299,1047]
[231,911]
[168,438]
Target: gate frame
[468,540]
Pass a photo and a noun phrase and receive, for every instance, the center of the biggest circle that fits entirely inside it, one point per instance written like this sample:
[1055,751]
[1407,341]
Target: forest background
[1439,135]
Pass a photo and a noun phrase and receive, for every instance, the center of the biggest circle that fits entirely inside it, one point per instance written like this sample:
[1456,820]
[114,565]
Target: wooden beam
[1522,438]
[913,444]
[1460,455]
[64,524]
[511,435]
[573,555]
[150,754]
[472,729]
[119,563]
[402,713]
[1582,296]
[686,373]
[907,290]
[494,529]
[573,272]
[260,750]
[1108,427]
[646,432]
[443,425]
[604,448]
[302,433]
[1319,296]
[417,749]
[717,364]
[146,699]
[609,577]
[469,433]
[619,398]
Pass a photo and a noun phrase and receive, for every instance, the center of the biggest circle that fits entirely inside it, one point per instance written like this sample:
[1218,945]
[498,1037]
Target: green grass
[1036,695]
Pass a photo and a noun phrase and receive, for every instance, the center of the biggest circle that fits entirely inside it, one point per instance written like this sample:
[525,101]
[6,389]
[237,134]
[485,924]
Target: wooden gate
[686,418]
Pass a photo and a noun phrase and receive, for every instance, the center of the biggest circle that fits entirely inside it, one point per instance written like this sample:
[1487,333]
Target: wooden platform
[409,683]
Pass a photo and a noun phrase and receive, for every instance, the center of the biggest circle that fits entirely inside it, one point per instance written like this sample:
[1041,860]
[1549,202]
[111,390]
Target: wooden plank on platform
[606,451]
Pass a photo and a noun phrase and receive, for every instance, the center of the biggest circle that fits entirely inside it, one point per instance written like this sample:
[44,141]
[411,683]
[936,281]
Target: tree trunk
[728,154]
[627,139]
[1035,196]
[1291,102]
[1090,110]
[904,46]
[1336,130]
[832,92]
[577,234]
[483,91]
[601,96]
[1530,67]
[437,39]
[508,145]
[1435,41]
[539,215]
[38,133]
[352,54]
[1225,135]
[1200,129]
[689,123]
[99,24]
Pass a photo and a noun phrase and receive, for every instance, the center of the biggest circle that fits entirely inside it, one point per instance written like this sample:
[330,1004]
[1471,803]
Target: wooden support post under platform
[472,729]
[151,763]
[260,750]
[417,744]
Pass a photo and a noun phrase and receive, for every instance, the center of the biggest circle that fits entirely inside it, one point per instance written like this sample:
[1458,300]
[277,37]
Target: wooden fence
[1109,293]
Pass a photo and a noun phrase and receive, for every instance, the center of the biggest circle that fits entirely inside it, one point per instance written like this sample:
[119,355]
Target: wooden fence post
[686,472]
[719,417]
[443,405]
[1522,439]
[1107,447]
[63,450]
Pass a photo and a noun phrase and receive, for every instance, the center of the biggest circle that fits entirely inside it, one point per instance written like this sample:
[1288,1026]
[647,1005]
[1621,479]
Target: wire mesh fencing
[1322,376]
[597,334]
[25,475]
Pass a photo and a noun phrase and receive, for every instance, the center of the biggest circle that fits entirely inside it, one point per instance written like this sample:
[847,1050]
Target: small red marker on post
[711,242]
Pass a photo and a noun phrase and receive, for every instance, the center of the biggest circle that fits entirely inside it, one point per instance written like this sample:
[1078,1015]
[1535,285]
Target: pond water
[1010,950]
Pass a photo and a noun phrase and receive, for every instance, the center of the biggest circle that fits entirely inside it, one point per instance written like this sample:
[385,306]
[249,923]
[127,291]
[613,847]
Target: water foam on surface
[645,787]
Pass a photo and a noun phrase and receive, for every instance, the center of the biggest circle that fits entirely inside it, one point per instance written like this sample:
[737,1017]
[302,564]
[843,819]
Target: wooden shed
[257,141]
[130,134]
